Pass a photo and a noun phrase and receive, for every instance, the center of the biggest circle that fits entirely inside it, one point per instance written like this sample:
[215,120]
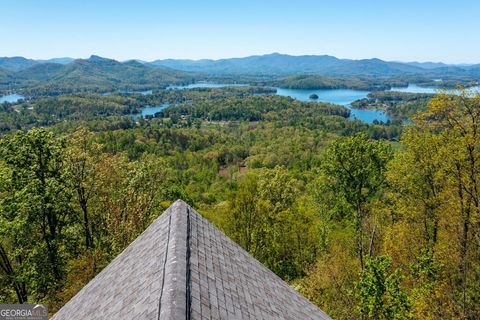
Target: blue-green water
[207,85]
[12,98]
[345,97]
[338,96]
[144,92]
[150,111]
[413,88]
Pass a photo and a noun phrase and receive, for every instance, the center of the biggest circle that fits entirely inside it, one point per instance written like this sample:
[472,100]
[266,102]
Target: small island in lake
[313,96]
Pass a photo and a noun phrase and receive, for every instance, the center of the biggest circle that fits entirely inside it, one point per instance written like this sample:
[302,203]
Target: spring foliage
[364,228]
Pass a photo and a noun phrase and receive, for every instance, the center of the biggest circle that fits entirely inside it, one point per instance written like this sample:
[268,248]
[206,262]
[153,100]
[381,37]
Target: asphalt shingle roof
[182,267]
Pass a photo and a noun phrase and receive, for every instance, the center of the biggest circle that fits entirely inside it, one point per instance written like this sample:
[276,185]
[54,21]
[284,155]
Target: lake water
[150,111]
[345,97]
[11,98]
[342,97]
[207,85]
[338,96]
[413,88]
[144,92]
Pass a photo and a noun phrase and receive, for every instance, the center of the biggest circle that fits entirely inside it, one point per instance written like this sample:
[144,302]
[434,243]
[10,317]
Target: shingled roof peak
[182,267]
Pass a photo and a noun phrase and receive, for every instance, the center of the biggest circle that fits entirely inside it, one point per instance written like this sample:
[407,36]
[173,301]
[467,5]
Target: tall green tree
[83,156]
[454,121]
[418,182]
[379,293]
[267,220]
[36,205]
[354,171]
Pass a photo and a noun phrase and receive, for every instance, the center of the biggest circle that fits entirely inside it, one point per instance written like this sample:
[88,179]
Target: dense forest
[367,221]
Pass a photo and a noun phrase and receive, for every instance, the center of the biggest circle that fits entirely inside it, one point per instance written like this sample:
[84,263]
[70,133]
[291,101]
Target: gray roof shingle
[182,267]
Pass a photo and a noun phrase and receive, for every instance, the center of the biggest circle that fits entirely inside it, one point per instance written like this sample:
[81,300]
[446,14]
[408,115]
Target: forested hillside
[362,224]
[95,74]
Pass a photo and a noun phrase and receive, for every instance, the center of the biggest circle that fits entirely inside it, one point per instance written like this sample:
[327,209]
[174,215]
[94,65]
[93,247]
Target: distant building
[182,267]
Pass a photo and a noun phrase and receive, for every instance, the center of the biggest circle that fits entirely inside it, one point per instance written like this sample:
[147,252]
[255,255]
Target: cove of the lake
[207,85]
[11,98]
[338,96]
[150,110]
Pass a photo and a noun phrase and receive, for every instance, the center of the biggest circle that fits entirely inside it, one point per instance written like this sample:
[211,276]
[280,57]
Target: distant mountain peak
[98,58]
[134,63]
[64,60]
[16,63]
[274,54]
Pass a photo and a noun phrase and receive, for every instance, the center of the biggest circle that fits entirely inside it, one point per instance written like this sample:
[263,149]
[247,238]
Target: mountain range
[105,74]
[20,63]
[94,72]
[277,63]
[285,64]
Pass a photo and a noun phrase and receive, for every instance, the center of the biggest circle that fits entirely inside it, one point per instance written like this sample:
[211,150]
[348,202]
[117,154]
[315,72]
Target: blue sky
[407,30]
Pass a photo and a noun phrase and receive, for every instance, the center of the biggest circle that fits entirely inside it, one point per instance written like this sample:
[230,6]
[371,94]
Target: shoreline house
[182,267]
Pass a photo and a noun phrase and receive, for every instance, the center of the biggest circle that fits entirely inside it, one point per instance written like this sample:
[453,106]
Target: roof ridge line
[173,296]
[188,296]
[163,271]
